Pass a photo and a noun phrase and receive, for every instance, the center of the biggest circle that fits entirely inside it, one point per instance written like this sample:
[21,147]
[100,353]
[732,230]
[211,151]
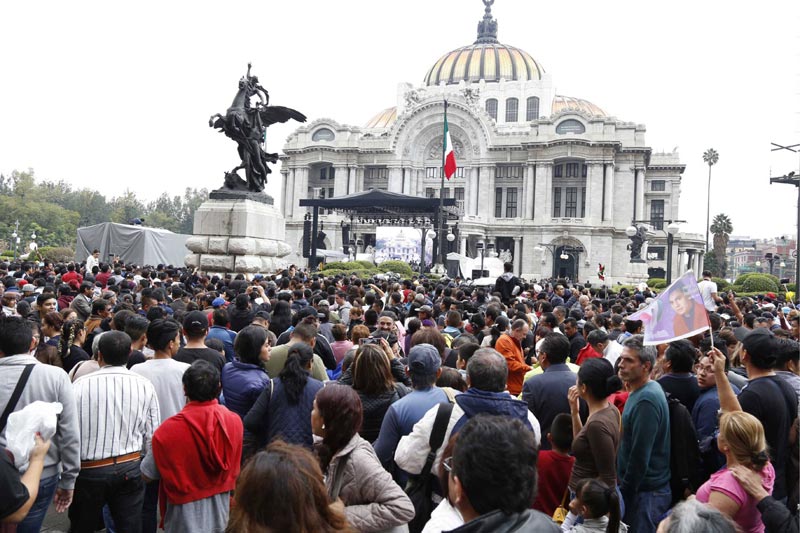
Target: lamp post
[672,229]
[758,266]
[481,251]
[771,258]
[792,178]
[15,238]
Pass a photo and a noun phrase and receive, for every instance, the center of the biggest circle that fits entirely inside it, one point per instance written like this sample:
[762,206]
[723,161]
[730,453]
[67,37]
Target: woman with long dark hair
[281,489]
[595,443]
[373,381]
[283,408]
[73,335]
[281,318]
[354,474]
[243,380]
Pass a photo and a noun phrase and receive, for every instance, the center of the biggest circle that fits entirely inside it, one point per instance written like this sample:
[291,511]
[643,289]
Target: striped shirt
[117,411]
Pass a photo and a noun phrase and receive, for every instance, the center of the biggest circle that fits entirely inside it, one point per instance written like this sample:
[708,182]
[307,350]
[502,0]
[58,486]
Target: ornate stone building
[553,179]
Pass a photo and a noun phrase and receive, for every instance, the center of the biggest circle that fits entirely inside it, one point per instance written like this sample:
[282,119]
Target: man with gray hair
[691,516]
[643,459]
[486,376]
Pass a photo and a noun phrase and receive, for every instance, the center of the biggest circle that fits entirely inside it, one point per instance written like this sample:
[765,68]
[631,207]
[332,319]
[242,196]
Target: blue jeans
[646,508]
[33,521]
[120,486]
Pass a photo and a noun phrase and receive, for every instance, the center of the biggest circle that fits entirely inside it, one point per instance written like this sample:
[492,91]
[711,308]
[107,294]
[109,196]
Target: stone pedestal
[237,234]
[637,273]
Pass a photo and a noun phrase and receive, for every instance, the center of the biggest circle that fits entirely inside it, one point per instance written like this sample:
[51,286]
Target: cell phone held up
[369,340]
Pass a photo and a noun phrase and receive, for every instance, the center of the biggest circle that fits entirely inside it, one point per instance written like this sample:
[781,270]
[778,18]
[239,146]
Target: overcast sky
[114,95]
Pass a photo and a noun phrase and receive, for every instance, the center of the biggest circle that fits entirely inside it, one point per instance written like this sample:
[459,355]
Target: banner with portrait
[677,313]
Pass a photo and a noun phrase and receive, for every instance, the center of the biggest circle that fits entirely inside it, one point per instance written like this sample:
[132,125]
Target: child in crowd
[555,466]
[597,505]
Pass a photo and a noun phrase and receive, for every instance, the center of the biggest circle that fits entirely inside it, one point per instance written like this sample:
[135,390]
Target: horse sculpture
[247,126]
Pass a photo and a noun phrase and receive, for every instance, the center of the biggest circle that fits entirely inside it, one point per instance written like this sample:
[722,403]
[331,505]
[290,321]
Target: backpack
[420,488]
[684,452]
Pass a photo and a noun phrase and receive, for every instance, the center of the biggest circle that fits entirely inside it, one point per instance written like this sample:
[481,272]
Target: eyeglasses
[448,464]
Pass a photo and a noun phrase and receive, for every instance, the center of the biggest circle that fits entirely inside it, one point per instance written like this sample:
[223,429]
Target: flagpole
[440,239]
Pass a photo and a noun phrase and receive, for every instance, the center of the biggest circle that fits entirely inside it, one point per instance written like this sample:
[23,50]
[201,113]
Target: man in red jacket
[197,455]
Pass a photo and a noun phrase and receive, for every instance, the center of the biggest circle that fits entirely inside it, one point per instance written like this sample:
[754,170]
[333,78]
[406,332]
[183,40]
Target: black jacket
[498,522]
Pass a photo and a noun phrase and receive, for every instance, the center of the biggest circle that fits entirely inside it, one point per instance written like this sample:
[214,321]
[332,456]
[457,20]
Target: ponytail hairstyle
[599,377]
[499,327]
[600,500]
[69,331]
[294,375]
[744,435]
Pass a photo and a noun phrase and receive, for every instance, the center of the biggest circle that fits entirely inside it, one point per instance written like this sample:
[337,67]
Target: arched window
[491,107]
[532,113]
[323,134]
[512,110]
[570,126]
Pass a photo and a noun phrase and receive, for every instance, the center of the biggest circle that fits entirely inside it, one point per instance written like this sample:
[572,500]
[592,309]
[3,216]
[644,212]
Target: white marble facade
[558,172]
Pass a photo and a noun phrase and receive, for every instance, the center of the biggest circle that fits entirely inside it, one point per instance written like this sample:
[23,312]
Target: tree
[710,157]
[722,228]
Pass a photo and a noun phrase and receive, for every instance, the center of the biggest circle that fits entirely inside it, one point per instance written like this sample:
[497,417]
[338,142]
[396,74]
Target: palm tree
[710,157]
[722,229]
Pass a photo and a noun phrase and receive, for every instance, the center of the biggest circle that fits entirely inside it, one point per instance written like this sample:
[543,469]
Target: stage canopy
[133,244]
[381,208]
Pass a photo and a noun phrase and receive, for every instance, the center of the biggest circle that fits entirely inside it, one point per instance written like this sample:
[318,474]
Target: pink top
[748,517]
[340,348]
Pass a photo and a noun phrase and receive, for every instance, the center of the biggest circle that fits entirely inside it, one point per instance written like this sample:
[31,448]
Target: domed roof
[384,119]
[484,61]
[568,103]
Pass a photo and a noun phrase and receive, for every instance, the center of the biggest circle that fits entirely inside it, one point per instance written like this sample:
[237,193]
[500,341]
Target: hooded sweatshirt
[476,401]
[198,452]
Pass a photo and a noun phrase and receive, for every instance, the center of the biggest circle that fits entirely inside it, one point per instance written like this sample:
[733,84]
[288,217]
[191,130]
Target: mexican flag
[449,153]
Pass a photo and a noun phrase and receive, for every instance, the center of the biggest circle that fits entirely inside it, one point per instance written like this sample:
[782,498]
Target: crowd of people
[302,402]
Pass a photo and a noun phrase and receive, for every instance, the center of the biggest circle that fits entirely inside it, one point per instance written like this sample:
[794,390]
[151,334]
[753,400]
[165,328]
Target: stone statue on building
[505,256]
[247,125]
[637,243]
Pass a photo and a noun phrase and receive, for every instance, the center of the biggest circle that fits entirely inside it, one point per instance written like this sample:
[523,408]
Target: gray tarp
[133,244]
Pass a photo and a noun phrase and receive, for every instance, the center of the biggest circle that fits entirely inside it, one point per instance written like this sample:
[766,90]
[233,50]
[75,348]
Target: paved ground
[54,522]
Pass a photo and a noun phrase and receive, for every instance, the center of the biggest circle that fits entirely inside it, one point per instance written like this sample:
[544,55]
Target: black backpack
[684,453]
[420,488]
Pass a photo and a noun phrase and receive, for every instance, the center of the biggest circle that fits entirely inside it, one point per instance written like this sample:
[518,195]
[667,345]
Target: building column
[701,259]
[395,180]
[462,248]
[485,208]
[518,255]
[609,190]
[528,188]
[543,193]
[640,210]
[594,193]
[291,189]
[285,184]
[473,182]
[340,181]
[301,189]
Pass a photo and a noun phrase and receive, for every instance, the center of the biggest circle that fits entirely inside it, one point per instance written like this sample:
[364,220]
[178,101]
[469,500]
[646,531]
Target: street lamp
[758,266]
[481,250]
[771,258]
[672,229]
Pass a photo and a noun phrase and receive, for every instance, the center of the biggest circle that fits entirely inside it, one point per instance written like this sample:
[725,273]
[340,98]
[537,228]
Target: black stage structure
[380,208]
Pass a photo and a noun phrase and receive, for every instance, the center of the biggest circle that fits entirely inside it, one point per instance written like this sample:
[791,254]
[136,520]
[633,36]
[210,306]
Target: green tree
[126,207]
[721,228]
